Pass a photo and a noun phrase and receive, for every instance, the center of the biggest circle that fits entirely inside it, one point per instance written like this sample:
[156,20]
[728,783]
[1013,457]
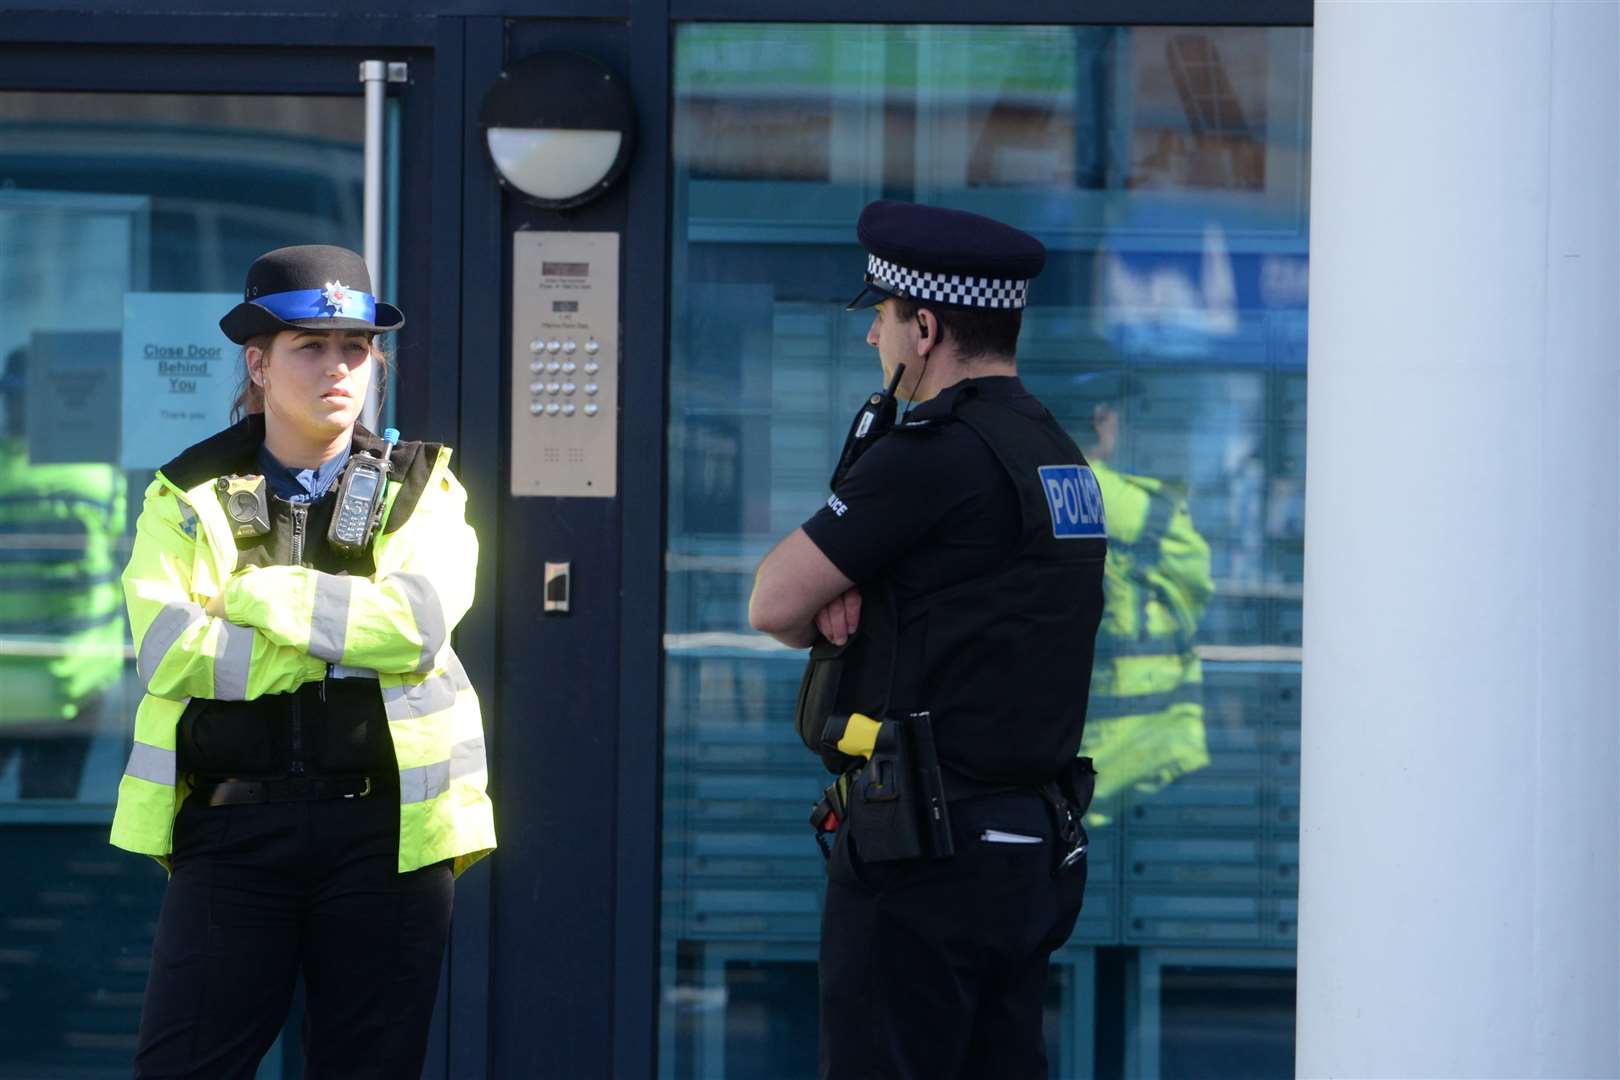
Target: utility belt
[236,792]
[896,803]
[335,727]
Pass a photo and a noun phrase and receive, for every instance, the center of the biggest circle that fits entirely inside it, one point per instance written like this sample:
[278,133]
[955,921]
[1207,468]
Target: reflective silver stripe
[148,762]
[467,758]
[232,662]
[423,699]
[428,613]
[171,622]
[424,782]
[430,781]
[329,625]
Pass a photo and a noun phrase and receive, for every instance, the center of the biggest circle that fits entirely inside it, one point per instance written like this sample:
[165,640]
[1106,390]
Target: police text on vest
[1075,501]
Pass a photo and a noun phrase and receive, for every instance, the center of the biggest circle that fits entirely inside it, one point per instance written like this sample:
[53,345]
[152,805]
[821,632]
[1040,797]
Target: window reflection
[1165,168]
[61,607]
[1207,126]
[103,197]
[1145,720]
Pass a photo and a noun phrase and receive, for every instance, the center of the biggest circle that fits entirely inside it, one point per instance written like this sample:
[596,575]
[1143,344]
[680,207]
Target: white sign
[180,374]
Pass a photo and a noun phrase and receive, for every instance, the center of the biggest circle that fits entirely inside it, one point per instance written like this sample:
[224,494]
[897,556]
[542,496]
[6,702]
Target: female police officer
[309,756]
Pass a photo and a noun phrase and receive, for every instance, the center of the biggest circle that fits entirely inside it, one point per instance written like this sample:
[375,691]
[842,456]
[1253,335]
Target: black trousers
[937,970]
[261,893]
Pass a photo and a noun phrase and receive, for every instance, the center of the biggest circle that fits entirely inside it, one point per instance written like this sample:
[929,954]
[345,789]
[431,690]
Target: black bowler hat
[946,257]
[308,287]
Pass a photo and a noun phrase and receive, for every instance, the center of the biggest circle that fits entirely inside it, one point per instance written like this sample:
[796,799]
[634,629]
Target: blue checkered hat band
[959,290]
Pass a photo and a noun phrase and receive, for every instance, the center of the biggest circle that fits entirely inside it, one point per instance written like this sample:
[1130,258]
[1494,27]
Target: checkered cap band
[957,289]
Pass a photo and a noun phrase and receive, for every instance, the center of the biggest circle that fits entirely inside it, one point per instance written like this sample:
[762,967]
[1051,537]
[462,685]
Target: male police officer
[952,588]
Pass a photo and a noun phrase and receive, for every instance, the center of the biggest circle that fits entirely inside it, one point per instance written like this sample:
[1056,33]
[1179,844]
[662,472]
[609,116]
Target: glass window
[127,223]
[1166,169]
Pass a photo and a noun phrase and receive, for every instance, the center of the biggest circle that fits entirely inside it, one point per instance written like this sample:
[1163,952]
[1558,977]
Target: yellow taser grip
[860,736]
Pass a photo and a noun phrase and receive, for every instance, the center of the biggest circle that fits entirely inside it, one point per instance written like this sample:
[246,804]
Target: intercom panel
[565,363]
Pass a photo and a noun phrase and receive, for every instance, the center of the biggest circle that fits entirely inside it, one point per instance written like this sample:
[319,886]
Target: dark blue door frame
[553,966]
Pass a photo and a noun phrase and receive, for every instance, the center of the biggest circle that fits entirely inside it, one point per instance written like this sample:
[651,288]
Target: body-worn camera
[360,499]
[246,500]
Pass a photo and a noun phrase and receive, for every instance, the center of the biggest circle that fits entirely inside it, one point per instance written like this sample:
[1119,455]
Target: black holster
[818,698]
[896,807]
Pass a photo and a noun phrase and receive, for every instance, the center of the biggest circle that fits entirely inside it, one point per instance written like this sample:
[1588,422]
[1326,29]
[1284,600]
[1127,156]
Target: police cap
[308,286]
[947,257]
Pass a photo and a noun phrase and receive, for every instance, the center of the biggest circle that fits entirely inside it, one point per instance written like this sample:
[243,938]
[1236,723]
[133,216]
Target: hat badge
[336,294]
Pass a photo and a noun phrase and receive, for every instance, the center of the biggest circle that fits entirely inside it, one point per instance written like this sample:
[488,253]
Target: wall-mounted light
[559,128]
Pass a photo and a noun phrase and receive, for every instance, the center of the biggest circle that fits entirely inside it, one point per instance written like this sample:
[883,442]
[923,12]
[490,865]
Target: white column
[1460,857]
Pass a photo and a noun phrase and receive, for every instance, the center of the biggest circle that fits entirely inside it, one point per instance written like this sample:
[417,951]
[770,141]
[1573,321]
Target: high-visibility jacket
[285,624]
[61,611]
[1145,724]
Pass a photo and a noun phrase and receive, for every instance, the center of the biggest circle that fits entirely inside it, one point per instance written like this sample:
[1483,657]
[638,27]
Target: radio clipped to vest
[874,420]
[246,500]
[360,498]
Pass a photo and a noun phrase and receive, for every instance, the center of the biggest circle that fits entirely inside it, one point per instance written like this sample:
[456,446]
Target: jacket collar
[236,450]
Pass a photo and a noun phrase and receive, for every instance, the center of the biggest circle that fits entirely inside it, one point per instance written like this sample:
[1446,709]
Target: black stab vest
[1002,660]
[330,727]
[336,727]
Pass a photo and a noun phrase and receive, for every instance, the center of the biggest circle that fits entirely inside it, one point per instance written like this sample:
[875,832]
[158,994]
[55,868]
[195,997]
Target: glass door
[1166,169]
[127,222]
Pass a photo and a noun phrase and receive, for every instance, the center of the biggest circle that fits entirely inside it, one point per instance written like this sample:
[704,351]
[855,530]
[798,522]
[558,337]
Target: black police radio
[872,422]
[360,498]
